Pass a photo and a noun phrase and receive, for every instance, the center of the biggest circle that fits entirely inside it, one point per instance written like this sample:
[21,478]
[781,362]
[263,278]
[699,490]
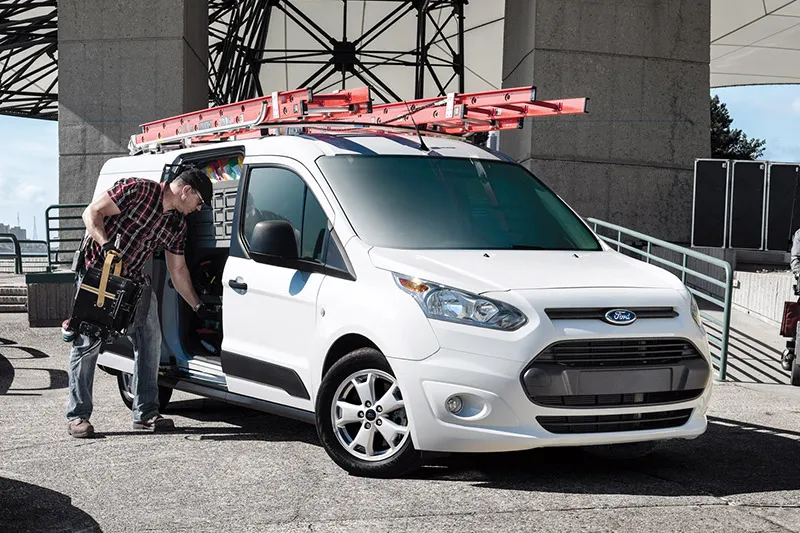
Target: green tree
[727,143]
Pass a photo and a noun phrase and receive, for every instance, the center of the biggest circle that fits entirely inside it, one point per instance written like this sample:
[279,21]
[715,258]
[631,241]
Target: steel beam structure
[28,58]
[238,32]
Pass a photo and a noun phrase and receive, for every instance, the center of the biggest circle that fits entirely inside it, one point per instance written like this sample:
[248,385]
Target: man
[794,262]
[788,355]
[142,216]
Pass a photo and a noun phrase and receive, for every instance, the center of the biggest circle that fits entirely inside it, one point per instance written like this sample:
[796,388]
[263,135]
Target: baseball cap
[198,181]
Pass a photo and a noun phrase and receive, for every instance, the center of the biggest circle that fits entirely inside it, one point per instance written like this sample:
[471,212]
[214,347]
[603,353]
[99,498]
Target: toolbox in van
[213,227]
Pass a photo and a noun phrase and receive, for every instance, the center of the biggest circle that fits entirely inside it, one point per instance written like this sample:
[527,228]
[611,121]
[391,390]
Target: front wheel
[125,386]
[361,417]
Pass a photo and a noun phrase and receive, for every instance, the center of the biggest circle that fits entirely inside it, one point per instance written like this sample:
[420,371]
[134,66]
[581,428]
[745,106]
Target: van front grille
[613,423]
[614,400]
[618,352]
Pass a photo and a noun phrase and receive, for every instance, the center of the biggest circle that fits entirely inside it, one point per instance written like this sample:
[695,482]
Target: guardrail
[70,235]
[17,253]
[720,342]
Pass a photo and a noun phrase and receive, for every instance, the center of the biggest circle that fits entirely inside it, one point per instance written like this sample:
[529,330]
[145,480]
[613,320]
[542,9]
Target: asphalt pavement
[233,469]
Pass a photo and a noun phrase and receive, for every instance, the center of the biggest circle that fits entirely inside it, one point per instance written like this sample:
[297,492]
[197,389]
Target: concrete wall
[120,64]
[645,66]
[762,294]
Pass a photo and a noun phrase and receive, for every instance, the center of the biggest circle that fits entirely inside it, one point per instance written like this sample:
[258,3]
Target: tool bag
[105,302]
[791,314]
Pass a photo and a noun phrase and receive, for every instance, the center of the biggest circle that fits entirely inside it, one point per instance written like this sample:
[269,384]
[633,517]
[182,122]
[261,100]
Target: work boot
[787,359]
[156,424]
[67,334]
[80,428]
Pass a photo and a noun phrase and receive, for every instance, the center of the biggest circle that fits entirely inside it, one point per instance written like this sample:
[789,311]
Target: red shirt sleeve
[125,192]
[178,243]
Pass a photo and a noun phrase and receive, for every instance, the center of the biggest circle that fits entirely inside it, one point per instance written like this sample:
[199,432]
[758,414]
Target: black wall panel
[748,184]
[709,213]
[783,205]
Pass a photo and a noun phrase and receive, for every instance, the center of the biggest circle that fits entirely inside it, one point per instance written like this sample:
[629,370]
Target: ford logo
[620,317]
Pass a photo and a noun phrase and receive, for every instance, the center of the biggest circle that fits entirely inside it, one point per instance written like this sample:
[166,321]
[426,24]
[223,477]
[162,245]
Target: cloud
[796,106]
[29,193]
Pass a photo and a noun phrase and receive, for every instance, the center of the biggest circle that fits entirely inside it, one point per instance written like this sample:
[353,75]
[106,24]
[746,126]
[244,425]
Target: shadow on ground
[13,351]
[244,424]
[30,508]
[731,458]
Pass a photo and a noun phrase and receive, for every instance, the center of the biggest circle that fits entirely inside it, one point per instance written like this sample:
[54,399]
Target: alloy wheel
[369,416]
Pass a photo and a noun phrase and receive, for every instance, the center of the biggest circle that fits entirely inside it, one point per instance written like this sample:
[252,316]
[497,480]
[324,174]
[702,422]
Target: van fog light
[454,404]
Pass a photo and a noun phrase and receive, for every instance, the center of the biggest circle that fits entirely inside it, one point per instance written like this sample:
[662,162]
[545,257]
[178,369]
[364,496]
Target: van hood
[481,271]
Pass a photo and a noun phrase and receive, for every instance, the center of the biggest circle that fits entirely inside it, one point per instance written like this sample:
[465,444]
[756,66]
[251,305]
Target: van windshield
[424,202]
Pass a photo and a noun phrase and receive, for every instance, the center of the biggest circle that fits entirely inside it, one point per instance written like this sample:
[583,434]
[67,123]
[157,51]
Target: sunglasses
[202,202]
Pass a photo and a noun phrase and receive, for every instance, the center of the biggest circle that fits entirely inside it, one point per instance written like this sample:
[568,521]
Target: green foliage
[727,143]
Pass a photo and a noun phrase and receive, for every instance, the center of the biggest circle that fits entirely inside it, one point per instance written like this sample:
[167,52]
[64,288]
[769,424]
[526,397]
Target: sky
[770,112]
[28,171]
[29,148]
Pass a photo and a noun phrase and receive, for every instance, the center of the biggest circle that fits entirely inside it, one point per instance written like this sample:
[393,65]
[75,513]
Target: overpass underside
[645,67]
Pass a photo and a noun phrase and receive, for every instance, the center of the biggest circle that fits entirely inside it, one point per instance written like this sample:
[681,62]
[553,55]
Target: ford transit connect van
[409,300]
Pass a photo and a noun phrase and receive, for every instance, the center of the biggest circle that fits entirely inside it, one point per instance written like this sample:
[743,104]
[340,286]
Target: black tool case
[110,316]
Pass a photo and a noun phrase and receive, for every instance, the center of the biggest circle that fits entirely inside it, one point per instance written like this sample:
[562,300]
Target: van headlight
[453,305]
[695,311]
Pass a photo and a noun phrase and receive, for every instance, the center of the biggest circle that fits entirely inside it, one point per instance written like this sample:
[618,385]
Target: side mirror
[273,241]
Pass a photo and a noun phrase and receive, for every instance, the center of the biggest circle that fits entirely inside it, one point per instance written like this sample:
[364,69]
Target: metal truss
[238,32]
[28,58]
[237,38]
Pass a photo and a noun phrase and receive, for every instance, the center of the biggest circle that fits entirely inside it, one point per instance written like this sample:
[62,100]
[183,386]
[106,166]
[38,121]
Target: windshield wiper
[527,247]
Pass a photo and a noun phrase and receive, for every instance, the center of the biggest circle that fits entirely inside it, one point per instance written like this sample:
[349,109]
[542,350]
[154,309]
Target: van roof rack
[455,114]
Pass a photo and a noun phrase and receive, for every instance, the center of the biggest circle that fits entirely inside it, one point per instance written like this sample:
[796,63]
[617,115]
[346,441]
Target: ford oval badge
[620,317]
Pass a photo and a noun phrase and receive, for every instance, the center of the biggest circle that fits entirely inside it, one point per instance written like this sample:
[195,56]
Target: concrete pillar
[645,66]
[122,63]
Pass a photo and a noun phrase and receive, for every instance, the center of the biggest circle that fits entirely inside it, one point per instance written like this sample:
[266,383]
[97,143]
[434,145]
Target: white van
[410,299]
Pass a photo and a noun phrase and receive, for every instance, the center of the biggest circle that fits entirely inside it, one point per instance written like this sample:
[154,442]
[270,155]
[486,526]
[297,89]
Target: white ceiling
[755,42]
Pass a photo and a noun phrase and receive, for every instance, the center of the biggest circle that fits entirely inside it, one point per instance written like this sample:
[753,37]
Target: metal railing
[17,253]
[647,254]
[62,241]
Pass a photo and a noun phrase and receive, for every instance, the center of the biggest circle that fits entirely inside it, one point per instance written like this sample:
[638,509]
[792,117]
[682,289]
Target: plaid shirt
[142,225]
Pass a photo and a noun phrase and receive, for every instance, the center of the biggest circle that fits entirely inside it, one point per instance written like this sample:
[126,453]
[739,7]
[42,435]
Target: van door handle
[238,285]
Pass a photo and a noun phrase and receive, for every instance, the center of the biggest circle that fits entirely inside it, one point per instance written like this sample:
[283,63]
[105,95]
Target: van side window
[276,193]
[315,229]
[333,257]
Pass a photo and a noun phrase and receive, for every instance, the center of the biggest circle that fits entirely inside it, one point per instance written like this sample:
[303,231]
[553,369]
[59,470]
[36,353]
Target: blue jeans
[145,335]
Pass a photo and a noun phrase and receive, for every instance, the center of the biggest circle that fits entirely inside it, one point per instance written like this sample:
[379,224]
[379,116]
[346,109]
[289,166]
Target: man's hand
[109,247]
[203,313]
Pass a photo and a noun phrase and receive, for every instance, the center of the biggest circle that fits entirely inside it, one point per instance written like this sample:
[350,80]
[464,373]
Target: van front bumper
[498,415]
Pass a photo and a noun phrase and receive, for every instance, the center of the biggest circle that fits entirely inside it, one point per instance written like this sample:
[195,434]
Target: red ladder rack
[455,114]
[459,114]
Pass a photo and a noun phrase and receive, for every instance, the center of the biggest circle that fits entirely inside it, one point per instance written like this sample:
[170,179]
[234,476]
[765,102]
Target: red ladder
[455,114]
[459,114]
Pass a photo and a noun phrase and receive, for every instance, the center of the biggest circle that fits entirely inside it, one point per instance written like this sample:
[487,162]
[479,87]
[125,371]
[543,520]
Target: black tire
[402,461]
[124,382]
[796,372]
[621,452]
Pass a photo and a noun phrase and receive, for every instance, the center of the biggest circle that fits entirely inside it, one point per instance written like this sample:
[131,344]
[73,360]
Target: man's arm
[794,263]
[100,208]
[181,279]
